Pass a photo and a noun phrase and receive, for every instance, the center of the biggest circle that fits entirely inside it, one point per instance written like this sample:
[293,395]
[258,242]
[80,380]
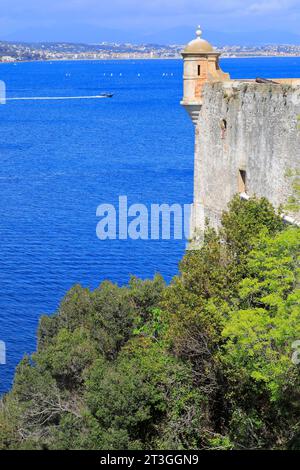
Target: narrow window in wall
[199,70]
[223,125]
[242,181]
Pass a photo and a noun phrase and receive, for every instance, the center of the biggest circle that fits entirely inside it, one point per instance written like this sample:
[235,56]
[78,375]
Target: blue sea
[61,159]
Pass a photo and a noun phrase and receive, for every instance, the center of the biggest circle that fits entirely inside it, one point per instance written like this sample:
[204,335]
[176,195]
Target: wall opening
[242,181]
[199,70]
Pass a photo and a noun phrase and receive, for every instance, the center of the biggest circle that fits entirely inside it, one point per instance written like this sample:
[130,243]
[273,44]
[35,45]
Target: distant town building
[7,58]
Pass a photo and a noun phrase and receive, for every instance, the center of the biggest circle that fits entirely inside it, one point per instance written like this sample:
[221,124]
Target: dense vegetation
[204,363]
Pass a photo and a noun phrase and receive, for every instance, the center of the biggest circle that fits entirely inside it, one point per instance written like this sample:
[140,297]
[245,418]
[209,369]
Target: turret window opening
[199,70]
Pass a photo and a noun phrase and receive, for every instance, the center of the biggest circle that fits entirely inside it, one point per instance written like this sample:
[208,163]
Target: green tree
[145,400]
[204,363]
[257,353]
[243,222]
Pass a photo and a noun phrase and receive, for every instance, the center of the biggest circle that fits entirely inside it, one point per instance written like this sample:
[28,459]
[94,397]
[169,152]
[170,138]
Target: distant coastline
[32,52]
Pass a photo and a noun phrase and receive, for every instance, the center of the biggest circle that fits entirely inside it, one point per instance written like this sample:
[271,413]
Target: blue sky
[149,20]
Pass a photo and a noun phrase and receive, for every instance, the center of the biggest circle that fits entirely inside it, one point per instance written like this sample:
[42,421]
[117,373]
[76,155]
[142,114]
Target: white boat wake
[46,98]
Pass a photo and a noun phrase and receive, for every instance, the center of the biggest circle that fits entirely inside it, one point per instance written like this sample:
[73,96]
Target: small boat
[107,95]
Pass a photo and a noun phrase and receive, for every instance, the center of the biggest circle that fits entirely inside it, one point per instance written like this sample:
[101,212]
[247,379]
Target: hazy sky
[94,20]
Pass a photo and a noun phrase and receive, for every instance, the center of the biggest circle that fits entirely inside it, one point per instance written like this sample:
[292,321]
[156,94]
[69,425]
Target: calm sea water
[61,159]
